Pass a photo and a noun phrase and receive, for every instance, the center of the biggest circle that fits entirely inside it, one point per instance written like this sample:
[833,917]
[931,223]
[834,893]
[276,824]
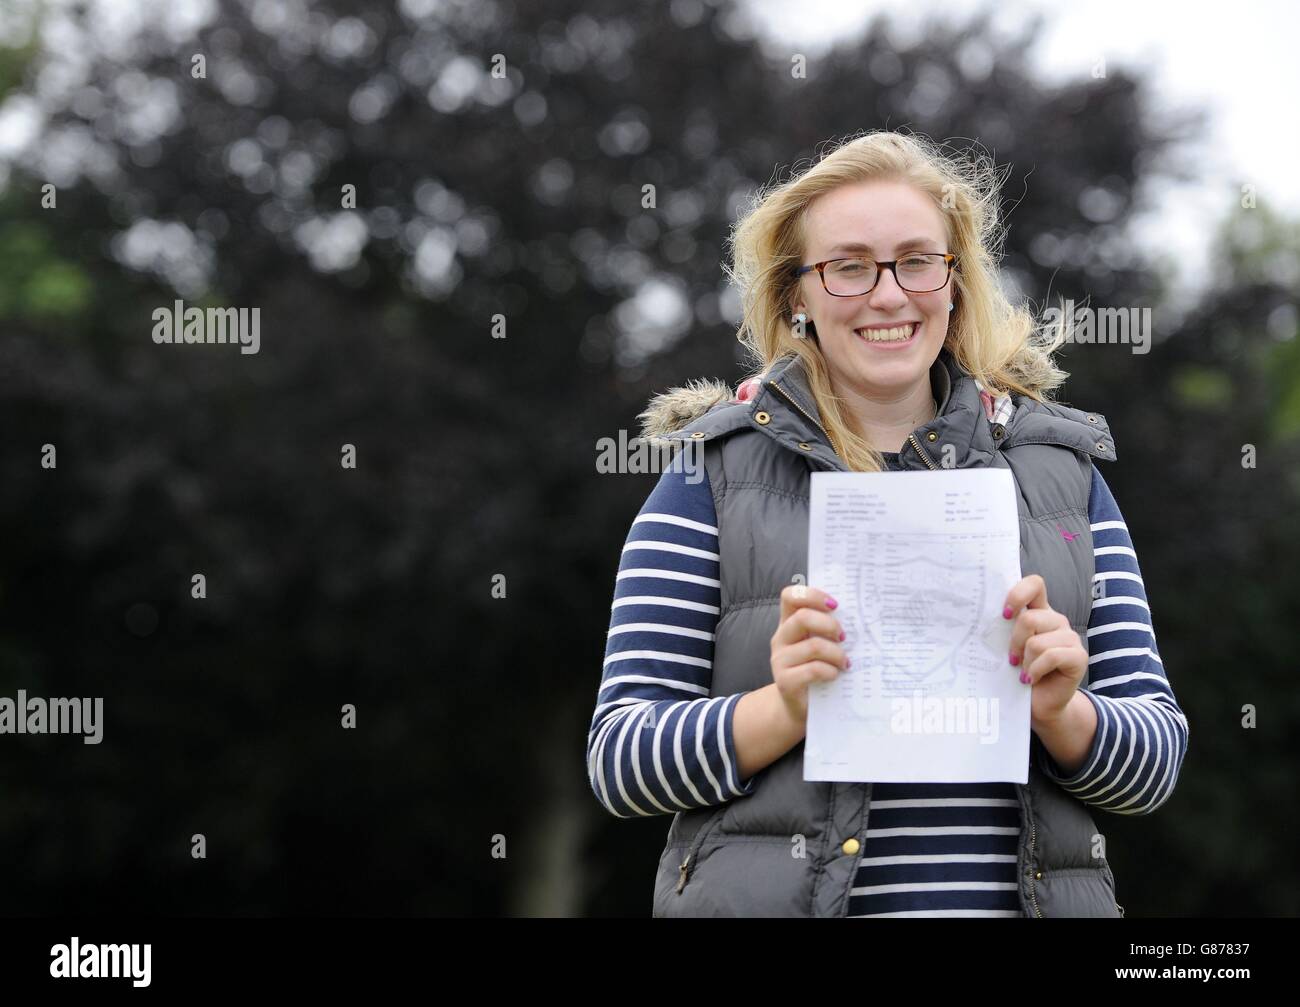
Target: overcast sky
[1238,61]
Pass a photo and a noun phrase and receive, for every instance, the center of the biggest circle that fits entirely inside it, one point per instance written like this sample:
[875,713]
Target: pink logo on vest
[1068,536]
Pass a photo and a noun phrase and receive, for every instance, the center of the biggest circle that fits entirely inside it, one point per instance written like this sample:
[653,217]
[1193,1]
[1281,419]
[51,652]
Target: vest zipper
[929,463]
[789,398]
[921,451]
[1033,836]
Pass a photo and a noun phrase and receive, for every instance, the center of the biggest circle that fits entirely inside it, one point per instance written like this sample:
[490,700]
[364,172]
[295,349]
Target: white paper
[920,563]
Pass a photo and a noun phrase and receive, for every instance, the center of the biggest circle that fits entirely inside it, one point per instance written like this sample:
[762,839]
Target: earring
[950,305]
[801,317]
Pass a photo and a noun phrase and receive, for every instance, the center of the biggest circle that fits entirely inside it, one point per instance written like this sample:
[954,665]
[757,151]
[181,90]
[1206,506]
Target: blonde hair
[999,344]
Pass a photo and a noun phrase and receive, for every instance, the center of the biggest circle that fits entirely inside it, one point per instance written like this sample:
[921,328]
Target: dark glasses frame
[950,260]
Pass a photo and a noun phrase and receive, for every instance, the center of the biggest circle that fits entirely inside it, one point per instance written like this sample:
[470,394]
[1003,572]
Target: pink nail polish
[1006,612]
[1014,659]
[1024,677]
[841,634]
[831,602]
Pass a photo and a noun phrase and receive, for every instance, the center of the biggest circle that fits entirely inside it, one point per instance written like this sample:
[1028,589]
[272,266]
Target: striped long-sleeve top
[659,742]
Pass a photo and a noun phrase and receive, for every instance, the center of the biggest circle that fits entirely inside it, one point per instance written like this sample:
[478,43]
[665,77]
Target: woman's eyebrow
[857,246]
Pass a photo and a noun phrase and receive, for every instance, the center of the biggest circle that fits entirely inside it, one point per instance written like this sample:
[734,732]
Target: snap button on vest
[851,846]
[931,436]
[999,431]
[761,417]
[805,446]
[698,433]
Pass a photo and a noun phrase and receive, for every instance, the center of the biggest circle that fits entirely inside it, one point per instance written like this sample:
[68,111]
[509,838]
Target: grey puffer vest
[738,858]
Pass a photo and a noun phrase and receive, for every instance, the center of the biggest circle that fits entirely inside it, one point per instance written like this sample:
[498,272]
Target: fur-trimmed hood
[670,411]
[667,412]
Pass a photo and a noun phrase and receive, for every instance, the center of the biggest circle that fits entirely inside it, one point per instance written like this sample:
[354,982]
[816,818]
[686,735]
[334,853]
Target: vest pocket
[687,866]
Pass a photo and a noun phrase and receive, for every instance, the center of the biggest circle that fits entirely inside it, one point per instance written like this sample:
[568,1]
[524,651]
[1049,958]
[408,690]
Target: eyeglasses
[918,273]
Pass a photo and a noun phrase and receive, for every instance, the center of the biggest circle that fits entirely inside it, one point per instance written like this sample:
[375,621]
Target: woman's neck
[885,425]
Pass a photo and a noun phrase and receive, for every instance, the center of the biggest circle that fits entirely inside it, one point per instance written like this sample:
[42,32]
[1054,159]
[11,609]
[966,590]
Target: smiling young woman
[883,342]
[877,338]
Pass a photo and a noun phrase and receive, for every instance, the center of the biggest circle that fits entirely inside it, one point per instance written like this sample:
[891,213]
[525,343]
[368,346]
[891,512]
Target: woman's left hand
[1050,654]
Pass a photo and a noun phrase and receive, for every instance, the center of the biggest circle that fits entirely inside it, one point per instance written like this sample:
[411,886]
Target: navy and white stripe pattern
[1141,736]
[939,849]
[658,743]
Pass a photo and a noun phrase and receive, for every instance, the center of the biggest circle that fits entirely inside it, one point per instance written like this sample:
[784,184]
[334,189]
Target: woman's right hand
[806,647]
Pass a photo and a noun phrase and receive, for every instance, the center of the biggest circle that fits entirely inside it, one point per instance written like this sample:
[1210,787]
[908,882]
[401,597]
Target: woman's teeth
[898,335]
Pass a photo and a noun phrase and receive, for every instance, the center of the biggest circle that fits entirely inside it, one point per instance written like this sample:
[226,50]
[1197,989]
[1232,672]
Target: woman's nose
[887,290]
